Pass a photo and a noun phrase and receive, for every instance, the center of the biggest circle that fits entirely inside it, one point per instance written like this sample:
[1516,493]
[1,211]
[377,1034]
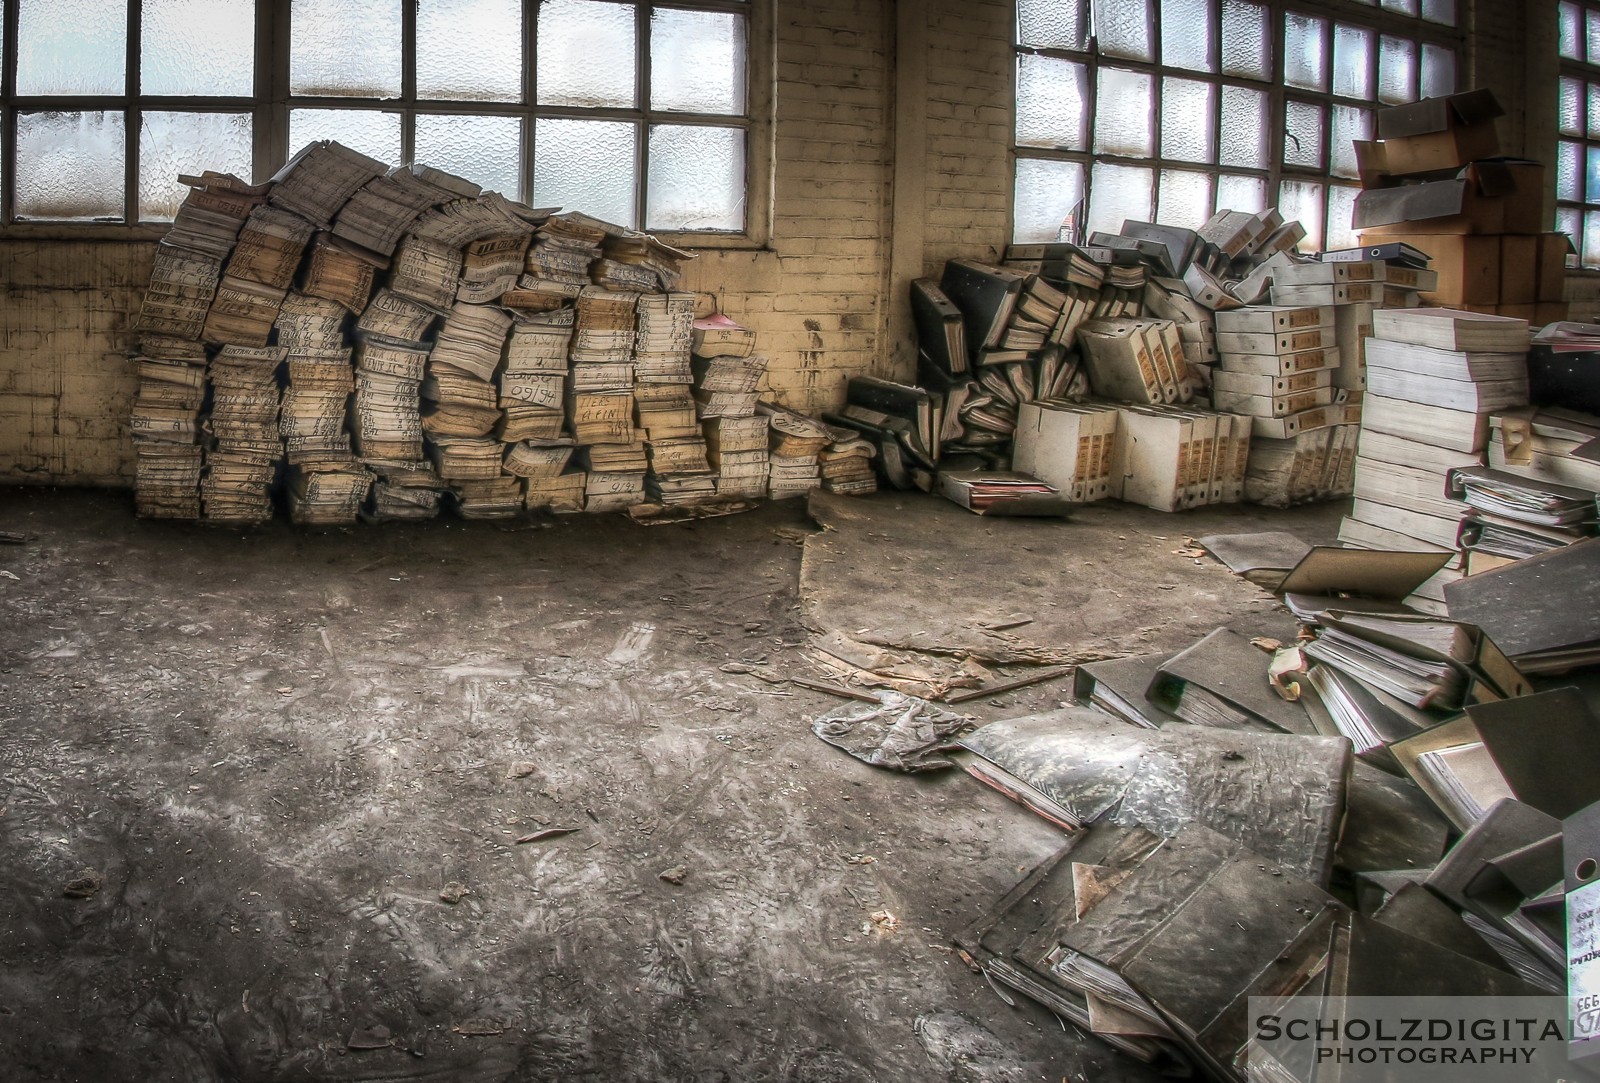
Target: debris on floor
[675,875]
[453,892]
[899,732]
[84,885]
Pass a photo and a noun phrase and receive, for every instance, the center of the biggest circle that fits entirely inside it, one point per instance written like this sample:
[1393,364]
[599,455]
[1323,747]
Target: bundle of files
[242,460]
[1539,469]
[737,450]
[905,426]
[341,272]
[727,370]
[846,463]
[165,427]
[1434,376]
[387,420]
[794,442]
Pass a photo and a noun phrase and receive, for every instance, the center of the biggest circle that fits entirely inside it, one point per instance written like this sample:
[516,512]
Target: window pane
[1439,11]
[1186,120]
[1349,125]
[1404,7]
[1591,34]
[1046,194]
[321,59]
[1184,198]
[487,150]
[1397,70]
[1246,45]
[1053,24]
[1570,118]
[1569,220]
[1569,171]
[72,47]
[1438,71]
[1571,32]
[1302,201]
[469,50]
[197,47]
[174,143]
[1594,110]
[1051,102]
[586,53]
[696,178]
[1120,192]
[1305,52]
[1341,212]
[1244,128]
[69,166]
[1186,40]
[1122,123]
[1592,175]
[1352,61]
[370,131]
[586,165]
[1591,239]
[1303,131]
[1237,193]
[1123,28]
[697,61]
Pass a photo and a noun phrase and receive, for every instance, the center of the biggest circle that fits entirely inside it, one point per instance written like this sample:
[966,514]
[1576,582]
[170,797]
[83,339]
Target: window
[1578,125]
[631,111]
[1165,110]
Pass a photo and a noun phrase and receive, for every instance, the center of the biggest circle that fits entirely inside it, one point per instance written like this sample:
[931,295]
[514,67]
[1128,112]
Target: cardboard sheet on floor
[1282,795]
[1265,558]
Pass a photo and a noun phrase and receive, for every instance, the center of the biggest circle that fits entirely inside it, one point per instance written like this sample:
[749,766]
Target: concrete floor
[275,748]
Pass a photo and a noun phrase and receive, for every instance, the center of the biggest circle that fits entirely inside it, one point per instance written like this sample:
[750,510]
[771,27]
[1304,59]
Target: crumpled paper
[898,733]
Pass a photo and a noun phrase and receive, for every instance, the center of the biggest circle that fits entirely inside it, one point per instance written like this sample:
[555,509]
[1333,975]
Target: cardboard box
[1527,312]
[1551,312]
[1439,133]
[1553,251]
[1467,268]
[1498,196]
[1519,269]
[1070,446]
[1275,319]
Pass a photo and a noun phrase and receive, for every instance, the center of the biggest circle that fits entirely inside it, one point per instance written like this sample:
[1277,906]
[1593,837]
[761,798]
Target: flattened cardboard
[1367,573]
[1439,114]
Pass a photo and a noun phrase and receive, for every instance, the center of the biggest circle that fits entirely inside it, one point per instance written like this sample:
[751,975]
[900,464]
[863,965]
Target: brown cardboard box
[1519,269]
[1468,267]
[1498,196]
[1550,312]
[1521,312]
[1524,202]
[1553,251]
[1439,133]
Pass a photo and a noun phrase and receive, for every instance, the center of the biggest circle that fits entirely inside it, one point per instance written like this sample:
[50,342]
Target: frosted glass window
[1187,120]
[323,59]
[1052,102]
[1184,198]
[70,166]
[1404,7]
[1341,215]
[1246,42]
[1303,134]
[586,53]
[175,143]
[1236,192]
[1570,221]
[1438,71]
[1046,195]
[697,61]
[469,50]
[1352,61]
[696,178]
[1118,193]
[1591,239]
[1439,11]
[370,131]
[1053,24]
[72,47]
[1122,28]
[1594,110]
[1305,52]
[1569,171]
[1571,20]
[1186,30]
[1591,33]
[586,165]
[1302,200]
[486,149]
[1570,118]
[1397,71]
[1122,123]
[197,47]
[1244,128]
[1349,125]
[1592,174]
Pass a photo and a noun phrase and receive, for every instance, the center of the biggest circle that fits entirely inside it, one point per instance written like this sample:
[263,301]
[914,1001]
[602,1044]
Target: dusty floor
[277,747]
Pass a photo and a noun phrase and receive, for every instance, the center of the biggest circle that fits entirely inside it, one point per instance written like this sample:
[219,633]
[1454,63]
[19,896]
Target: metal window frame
[1380,21]
[270,104]
[1587,72]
